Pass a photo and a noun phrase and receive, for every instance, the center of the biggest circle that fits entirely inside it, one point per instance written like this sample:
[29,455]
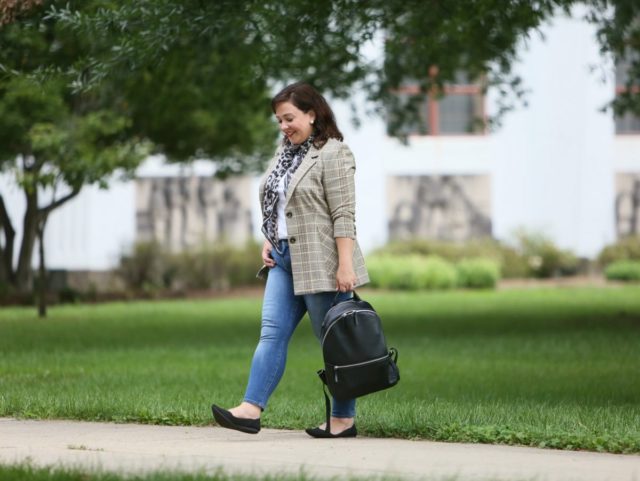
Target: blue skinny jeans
[282,311]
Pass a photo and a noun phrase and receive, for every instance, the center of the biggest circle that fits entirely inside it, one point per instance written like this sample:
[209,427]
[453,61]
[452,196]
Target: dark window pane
[624,65]
[622,71]
[419,124]
[459,114]
[628,124]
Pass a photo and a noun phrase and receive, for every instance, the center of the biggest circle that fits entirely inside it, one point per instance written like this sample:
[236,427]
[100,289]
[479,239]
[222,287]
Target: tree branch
[45,211]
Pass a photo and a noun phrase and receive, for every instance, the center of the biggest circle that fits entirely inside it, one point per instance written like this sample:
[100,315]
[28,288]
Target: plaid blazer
[320,206]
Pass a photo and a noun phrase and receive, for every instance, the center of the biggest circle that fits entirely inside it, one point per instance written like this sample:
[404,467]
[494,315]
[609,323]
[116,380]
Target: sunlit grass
[557,368]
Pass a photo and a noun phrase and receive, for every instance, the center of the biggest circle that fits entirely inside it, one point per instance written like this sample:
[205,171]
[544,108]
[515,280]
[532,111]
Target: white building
[557,167]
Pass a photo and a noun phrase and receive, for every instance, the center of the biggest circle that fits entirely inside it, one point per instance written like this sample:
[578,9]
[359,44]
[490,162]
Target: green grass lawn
[31,473]
[557,368]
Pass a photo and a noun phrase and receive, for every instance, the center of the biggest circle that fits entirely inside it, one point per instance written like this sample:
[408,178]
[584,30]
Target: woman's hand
[345,278]
[266,254]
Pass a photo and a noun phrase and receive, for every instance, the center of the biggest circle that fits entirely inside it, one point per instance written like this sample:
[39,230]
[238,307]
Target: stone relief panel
[627,203]
[444,207]
[184,212]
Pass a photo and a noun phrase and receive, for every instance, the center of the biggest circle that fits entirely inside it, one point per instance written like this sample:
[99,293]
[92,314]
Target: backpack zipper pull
[335,374]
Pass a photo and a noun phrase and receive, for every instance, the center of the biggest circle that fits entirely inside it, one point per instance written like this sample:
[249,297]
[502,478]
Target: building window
[628,123]
[459,110]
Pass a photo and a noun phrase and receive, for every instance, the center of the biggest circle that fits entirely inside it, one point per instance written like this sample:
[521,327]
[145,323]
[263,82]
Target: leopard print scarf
[289,161]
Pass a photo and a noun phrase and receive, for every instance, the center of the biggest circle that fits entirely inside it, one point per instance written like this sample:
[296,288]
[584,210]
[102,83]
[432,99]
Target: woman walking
[310,251]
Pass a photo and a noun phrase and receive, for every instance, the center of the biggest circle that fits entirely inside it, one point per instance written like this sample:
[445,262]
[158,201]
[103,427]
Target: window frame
[433,108]
[622,89]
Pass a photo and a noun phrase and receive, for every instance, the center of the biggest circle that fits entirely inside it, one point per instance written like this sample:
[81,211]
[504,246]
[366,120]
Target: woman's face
[294,123]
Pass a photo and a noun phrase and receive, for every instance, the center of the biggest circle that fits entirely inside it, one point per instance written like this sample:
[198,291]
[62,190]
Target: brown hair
[306,98]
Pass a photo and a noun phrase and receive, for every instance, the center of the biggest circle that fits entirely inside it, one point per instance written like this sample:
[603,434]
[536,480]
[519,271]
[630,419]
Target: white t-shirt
[282,224]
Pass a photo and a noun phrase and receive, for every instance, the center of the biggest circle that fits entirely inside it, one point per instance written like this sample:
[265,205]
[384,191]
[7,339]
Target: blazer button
[292,240]
[289,215]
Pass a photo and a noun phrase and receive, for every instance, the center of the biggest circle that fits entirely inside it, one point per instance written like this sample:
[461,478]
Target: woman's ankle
[246,410]
[342,422]
[252,409]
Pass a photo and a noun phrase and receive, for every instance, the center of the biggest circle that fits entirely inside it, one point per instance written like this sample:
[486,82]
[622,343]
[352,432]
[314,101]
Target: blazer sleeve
[339,168]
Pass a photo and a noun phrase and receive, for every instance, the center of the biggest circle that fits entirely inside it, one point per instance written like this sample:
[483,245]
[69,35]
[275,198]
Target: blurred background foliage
[148,270]
[89,87]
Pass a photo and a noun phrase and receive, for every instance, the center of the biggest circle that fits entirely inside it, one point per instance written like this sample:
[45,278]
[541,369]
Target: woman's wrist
[345,263]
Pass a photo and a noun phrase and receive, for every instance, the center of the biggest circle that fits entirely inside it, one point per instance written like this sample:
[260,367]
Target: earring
[311,122]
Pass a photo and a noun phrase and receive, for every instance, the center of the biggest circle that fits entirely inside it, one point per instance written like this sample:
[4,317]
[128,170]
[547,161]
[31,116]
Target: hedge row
[150,267]
[413,264]
[416,272]
[628,271]
[625,249]
[527,255]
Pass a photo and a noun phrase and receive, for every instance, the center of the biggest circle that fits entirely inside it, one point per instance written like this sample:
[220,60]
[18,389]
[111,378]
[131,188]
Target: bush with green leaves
[477,273]
[411,272]
[146,267]
[627,248]
[218,266]
[512,264]
[628,271]
[543,257]
[150,268]
[433,272]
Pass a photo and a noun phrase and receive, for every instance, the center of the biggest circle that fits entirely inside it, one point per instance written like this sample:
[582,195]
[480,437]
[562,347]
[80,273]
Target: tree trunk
[6,251]
[32,218]
[42,278]
[29,234]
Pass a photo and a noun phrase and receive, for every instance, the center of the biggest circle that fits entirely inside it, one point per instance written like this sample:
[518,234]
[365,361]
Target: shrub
[423,247]
[433,272]
[512,263]
[627,248]
[543,257]
[477,273]
[145,267]
[244,264]
[388,272]
[410,272]
[218,266]
[150,268]
[68,295]
[628,271]
[204,268]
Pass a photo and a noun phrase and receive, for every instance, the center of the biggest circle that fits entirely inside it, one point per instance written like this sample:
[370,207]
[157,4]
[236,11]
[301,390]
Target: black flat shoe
[228,420]
[351,432]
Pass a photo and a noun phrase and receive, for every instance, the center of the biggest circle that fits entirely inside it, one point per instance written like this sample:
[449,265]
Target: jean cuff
[349,414]
[255,403]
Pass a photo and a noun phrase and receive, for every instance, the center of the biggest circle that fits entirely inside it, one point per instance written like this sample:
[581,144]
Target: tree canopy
[323,41]
[51,141]
[57,136]
[83,82]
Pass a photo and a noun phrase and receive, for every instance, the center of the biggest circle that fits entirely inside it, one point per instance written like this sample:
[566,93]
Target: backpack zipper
[344,314]
[364,363]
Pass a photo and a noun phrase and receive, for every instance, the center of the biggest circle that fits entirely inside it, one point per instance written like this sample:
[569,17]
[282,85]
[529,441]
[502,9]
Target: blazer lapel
[309,160]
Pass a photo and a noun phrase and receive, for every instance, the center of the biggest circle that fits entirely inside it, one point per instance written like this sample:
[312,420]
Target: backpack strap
[327,402]
[354,296]
[393,352]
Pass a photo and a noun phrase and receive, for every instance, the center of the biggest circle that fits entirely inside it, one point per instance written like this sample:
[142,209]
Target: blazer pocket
[329,248]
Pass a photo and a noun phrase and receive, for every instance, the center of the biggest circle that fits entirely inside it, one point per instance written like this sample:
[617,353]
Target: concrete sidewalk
[133,448]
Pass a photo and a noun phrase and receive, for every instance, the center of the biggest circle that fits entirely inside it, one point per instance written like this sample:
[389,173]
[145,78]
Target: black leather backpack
[356,358]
